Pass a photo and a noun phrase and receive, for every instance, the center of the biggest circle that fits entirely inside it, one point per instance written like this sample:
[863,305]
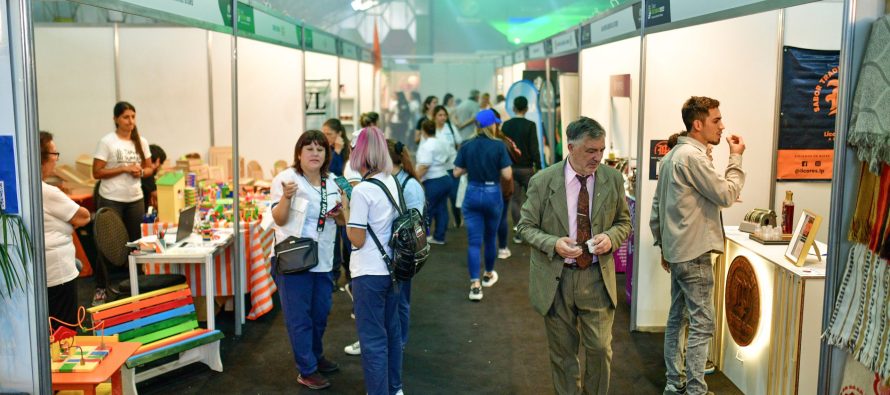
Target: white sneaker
[504,253]
[488,279]
[431,240]
[353,349]
[475,293]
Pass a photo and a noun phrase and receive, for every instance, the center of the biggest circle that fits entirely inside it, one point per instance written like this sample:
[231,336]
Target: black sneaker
[314,381]
[327,366]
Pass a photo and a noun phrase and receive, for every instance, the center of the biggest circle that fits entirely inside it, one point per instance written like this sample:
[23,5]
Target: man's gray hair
[474,94]
[582,128]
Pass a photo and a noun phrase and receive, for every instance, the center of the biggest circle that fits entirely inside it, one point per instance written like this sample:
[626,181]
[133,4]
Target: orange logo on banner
[661,149]
[804,164]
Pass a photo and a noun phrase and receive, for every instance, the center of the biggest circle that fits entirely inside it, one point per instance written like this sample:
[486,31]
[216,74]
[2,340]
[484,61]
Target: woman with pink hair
[375,299]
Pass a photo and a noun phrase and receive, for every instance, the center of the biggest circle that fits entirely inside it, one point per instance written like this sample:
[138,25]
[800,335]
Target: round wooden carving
[742,301]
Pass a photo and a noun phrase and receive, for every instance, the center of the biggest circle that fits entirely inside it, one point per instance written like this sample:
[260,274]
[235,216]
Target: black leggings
[61,301]
[132,214]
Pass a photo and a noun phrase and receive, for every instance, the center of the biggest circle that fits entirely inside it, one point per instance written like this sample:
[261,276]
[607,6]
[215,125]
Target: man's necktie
[583,224]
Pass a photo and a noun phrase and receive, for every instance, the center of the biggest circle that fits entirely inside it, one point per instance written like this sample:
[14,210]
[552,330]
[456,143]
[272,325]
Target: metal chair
[111,243]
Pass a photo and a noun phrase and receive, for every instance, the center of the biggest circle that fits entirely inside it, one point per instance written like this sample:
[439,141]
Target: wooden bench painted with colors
[166,324]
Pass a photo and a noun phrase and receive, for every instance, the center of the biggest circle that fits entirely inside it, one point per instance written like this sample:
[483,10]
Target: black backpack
[408,242]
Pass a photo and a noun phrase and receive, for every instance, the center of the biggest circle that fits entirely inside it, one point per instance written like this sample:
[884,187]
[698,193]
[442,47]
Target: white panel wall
[719,60]
[619,115]
[75,86]
[437,79]
[349,100]
[518,68]
[324,67]
[801,32]
[163,73]
[270,102]
[221,69]
[366,91]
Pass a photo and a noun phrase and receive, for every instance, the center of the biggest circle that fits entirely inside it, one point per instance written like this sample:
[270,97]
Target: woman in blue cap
[485,160]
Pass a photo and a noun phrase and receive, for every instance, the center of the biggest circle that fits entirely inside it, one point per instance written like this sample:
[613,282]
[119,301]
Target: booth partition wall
[176,64]
[736,54]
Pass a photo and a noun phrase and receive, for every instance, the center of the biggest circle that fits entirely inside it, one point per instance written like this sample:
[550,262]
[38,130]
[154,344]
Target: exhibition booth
[776,75]
[206,90]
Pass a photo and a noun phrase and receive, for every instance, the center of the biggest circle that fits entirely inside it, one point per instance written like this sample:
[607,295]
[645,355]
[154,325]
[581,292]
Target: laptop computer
[186,225]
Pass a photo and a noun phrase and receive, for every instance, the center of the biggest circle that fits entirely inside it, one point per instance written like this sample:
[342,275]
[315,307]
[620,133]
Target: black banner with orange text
[806,120]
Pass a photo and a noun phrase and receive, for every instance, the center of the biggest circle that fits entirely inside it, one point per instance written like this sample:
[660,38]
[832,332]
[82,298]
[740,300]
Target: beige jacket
[685,218]
[545,219]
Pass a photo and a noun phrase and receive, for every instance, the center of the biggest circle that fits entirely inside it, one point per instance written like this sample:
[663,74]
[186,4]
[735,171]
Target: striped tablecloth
[259,280]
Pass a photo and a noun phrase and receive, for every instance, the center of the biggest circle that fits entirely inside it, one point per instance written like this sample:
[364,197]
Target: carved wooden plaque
[742,301]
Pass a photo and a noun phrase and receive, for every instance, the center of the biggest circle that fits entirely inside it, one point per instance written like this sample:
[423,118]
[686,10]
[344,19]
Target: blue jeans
[404,310]
[502,225]
[436,191]
[306,302]
[692,288]
[377,321]
[482,210]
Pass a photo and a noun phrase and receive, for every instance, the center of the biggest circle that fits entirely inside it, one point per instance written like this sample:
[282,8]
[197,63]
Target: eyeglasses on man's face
[57,154]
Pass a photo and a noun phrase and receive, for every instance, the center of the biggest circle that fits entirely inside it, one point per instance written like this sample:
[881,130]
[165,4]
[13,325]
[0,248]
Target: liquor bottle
[788,213]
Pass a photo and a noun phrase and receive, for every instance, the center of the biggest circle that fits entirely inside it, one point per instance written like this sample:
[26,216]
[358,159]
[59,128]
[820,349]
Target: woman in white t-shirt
[375,299]
[122,158]
[432,168]
[60,216]
[305,204]
[445,131]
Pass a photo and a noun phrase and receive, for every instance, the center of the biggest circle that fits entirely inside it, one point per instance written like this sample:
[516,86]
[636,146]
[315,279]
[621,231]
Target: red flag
[378,58]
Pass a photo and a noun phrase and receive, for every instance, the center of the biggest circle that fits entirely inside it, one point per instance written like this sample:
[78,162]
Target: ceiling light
[516,40]
[363,5]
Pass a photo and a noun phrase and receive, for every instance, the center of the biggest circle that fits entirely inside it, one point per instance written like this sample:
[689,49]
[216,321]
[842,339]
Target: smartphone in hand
[334,209]
[344,185]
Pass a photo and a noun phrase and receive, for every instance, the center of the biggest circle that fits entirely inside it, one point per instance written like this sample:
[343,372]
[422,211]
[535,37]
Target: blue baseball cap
[486,118]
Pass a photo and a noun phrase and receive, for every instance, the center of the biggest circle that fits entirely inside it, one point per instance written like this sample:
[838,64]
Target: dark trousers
[502,225]
[61,301]
[452,198]
[306,302]
[377,321]
[482,209]
[521,176]
[404,310]
[437,191]
[131,213]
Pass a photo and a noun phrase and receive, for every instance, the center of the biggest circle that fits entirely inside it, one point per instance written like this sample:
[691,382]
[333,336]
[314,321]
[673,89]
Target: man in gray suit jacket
[572,273]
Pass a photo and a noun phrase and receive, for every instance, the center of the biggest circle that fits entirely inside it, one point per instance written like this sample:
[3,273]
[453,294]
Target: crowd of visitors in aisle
[349,195]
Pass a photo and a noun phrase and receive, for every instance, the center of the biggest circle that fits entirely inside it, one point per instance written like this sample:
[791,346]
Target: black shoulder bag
[299,254]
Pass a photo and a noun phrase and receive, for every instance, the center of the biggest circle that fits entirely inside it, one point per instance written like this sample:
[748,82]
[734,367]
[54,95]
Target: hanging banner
[8,185]
[806,118]
[215,13]
[657,150]
[318,100]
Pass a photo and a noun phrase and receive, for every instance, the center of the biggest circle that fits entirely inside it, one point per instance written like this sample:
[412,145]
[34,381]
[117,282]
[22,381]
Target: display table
[109,368]
[257,244]
[782,354]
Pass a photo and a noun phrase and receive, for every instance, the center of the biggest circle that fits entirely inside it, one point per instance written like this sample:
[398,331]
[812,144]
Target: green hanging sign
[215,15]
[260,25]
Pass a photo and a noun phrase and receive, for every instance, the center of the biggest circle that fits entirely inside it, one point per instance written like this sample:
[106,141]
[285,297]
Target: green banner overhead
[367,56]
[263,26]
[318,41]
[566,42]
[618,23]
[519,56]
[210,14]
[349,50]
[537,51]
